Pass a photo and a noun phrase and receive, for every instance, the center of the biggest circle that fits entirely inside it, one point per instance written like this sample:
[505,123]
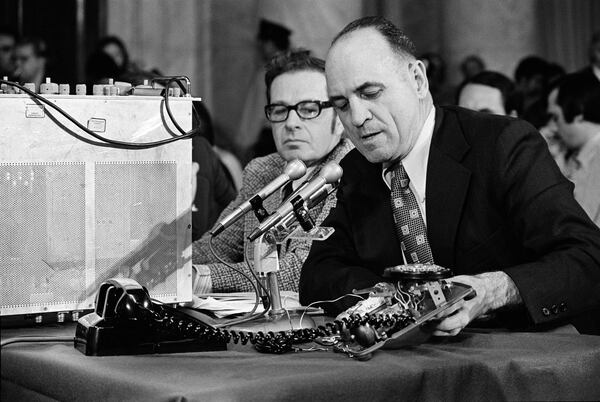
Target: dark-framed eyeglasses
[309,109]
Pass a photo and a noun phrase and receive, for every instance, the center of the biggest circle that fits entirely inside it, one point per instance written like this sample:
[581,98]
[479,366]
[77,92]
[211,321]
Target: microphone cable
[121,144]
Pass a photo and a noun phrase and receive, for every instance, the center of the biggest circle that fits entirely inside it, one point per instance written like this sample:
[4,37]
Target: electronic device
[398,310]
[127,322]
[75,210]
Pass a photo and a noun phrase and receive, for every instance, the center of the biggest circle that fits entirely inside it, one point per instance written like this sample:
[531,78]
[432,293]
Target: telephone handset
[127,321]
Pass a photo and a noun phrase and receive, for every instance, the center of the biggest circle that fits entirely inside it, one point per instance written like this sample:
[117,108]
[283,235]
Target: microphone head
[331,172]
[295,169]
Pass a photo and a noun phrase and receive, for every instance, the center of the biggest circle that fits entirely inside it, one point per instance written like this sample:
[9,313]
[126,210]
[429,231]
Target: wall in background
[213,41]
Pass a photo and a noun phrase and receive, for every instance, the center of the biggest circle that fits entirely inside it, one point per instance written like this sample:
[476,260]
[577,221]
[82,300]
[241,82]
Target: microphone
[330,173]
[313,201]
[293,170]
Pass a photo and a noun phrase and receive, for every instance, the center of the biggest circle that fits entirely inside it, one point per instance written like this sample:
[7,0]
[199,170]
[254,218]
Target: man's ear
[418,72]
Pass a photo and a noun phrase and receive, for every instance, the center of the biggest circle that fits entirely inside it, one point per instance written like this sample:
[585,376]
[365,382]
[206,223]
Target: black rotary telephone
[127,321]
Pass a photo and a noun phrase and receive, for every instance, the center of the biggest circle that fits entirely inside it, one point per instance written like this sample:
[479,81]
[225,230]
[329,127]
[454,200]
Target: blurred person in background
[594,52]
[549,132]
[574,107]
[254,133]
[488,92]
[126,69]
[435,67]
[31,61]
[99,68]
[471,66]
[7,49]
[215,187]
[532,77]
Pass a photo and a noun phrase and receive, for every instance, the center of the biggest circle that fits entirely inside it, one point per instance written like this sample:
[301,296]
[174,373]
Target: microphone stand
[266,265]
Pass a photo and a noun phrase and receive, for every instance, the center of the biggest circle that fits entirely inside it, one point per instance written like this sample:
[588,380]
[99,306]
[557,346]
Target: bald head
[379,90]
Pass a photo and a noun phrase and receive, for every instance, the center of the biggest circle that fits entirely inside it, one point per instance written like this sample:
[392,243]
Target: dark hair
[37,44]
[114,40]
[579,94]
[278,34]
[6,31]
[397,40]
[495,80]
[292,60]
[593,41]
[201,119]
[595,38]
[531,66]
[435,66]
[100,66]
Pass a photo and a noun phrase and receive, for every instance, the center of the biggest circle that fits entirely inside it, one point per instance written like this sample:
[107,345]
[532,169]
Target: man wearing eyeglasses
[304,127]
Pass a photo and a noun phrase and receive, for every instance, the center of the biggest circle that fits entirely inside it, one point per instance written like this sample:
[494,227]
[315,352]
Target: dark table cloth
[471,366]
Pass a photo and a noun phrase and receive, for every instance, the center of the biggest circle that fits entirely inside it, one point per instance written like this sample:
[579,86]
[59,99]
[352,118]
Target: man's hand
[494,290]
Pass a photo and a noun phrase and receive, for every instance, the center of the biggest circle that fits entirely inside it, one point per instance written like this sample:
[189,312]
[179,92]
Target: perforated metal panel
[134,202]
[42,234]
[74,213]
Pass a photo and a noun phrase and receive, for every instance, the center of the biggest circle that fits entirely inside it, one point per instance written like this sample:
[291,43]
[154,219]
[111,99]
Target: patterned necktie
[410,226]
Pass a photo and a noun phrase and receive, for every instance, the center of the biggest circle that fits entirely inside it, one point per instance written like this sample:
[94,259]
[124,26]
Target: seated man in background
[7,48]
[304,127]
[472,192]
[488,92]
[31,61]
[574,107]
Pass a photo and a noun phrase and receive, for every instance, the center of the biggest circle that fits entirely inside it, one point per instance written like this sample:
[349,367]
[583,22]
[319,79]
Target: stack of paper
[228,304]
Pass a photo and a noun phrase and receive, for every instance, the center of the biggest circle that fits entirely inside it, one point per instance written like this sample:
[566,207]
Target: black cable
[181,130]
[143,145]
[36,339]
[249,316]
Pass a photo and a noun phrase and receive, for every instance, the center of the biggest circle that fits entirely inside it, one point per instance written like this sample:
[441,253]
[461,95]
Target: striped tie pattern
[410,226]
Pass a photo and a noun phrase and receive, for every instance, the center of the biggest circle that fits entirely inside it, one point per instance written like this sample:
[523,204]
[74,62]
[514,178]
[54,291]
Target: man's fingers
[453,324]
[450,310]
[454,332]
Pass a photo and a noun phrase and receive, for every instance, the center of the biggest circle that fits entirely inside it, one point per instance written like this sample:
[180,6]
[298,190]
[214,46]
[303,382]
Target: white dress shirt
[415,164]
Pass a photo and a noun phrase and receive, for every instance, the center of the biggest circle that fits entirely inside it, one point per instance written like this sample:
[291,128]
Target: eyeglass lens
[306,110]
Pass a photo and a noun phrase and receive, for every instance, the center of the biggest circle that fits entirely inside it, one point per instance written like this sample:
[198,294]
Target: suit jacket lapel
[447,186]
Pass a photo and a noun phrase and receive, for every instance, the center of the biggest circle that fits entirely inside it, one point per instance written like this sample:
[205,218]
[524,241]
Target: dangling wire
[123,144]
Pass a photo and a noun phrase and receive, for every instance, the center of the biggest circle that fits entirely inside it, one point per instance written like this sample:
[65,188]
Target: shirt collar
[587,152]
[415,163]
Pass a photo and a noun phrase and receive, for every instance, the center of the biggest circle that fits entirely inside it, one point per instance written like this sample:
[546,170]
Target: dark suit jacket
[214,187]
[495,200]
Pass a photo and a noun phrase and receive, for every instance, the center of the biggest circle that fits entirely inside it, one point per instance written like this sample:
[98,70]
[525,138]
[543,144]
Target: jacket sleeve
[229,244]
[330,270]
[561,277]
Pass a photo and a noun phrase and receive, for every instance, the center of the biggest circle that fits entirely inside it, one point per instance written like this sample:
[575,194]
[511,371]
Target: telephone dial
[127,321]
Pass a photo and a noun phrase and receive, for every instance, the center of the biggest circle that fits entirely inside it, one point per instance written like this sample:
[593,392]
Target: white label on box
[97,125]
[35,111]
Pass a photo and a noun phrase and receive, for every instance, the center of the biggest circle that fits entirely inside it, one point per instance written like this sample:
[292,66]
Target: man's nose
[293,119]
[359,113]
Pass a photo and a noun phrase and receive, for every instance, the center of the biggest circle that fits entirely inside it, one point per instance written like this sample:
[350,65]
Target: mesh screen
[42,233]
[136,231]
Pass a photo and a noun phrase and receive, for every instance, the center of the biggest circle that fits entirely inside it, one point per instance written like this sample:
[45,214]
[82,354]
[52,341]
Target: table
[471,366]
